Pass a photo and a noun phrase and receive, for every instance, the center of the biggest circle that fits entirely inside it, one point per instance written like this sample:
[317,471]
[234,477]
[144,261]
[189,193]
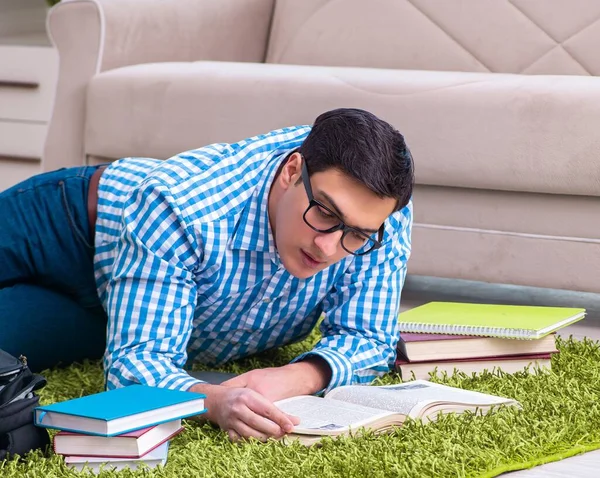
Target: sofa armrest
[92,36]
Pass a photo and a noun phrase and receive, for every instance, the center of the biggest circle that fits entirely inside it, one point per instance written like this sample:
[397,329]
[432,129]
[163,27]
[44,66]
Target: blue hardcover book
[120,411]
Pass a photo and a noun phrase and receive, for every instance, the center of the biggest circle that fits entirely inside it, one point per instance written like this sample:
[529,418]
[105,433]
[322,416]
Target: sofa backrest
[504,36]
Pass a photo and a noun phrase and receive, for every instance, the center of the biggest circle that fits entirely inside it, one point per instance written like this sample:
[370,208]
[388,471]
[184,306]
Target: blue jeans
[49,307]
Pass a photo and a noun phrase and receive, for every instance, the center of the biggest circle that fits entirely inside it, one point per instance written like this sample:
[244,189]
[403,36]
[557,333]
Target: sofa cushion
[500,36]
[473,130]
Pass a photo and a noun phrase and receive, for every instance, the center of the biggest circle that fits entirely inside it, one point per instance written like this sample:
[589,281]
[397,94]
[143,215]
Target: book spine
[413,327]
[401,352]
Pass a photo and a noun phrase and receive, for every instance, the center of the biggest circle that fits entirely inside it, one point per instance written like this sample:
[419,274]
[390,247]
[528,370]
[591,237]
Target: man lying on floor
[213,255]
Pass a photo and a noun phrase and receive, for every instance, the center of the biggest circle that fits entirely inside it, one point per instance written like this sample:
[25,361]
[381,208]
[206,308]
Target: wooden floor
[581,466]
[420,291]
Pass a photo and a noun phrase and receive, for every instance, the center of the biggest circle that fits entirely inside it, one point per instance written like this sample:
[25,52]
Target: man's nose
[328,243]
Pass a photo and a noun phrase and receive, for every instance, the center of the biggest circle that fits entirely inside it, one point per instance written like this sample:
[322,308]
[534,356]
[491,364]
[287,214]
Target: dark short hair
[364,147]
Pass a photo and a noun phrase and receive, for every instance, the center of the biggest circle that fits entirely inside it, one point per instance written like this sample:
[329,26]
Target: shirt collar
[253,231]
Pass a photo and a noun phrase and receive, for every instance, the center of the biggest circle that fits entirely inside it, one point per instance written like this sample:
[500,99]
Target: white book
[346,409]
[157,457]
[128,445]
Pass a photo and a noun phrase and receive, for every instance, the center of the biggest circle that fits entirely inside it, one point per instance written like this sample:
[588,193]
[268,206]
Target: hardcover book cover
[120,410]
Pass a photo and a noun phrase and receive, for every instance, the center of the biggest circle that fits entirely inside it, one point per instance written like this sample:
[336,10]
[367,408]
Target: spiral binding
[478,330]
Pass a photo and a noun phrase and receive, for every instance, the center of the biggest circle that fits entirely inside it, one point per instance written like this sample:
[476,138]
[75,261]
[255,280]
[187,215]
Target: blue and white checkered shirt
[186,268]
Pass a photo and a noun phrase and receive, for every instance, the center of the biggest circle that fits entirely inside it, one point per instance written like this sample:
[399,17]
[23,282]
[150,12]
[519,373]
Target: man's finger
[244,431]
[270,413]
[260,424]
[294,419]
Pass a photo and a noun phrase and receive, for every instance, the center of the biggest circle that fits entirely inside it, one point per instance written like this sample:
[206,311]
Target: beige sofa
[498,100]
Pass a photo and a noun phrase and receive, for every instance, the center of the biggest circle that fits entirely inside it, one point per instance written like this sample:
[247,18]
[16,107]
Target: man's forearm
[314,373]
[304,377]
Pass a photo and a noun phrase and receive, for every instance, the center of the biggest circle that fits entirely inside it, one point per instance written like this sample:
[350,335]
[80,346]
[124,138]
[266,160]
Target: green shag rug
[560,418]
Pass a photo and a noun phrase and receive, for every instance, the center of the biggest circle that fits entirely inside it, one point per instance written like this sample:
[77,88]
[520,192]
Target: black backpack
[18,434]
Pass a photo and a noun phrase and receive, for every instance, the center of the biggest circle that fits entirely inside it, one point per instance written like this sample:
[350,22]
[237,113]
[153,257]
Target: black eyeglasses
[322,219]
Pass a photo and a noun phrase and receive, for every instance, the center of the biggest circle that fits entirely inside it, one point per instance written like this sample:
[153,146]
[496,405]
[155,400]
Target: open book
[349,408]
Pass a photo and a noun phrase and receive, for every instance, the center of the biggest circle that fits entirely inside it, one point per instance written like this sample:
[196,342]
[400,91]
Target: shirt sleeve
[151,293]
[360,325]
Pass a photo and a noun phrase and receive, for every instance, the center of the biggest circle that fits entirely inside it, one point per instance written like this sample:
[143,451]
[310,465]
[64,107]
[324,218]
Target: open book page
[411,398]
[328,417]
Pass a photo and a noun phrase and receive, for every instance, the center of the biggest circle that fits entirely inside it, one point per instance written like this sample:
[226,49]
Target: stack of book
[122,428]
[471,338]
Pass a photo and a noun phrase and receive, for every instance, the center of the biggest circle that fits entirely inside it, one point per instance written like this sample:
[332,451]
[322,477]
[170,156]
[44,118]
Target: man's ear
[291,171]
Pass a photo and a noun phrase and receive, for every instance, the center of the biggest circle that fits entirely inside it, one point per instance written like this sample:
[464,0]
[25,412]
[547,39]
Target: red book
[134,444]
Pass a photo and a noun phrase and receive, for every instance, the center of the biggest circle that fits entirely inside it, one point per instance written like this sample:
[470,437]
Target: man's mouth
[309,260]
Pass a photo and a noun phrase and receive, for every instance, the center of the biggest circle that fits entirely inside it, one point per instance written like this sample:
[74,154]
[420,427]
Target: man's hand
[276,383]
[244,413]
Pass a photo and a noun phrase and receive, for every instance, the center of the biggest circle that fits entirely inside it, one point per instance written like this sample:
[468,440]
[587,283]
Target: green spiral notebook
[489,320]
